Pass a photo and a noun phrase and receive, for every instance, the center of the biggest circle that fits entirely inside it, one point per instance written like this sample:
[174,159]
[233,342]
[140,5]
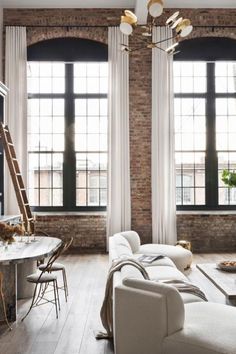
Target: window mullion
[69,172]
[211,155]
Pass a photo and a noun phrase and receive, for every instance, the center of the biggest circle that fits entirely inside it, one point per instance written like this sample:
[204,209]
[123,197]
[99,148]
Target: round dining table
[18,260]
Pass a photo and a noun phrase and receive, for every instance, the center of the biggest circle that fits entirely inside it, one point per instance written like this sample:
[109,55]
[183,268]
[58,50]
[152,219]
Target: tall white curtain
[118,208]
[163,163]
[16,107]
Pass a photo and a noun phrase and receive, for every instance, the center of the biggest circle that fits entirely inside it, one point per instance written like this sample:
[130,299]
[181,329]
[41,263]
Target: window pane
[58,85]
[200,178]
[58,125]
[93,107]
[80,107]
[232,196]
[223,196]
[93,197]
[188,196]
[58,70]
[188,178]
[45,179]
[33,125]
[93,179]
[33,107]
[200,196]
[46,132]
[225,80]
[103,196]
[189,77]
[81,181]
[81,199]
[57,197]
[80,142]
[80,125]
[93,161]
[57,179]
[33,196]
[81,162]
[93,125]
[93,142]
[103,180]
[45,197]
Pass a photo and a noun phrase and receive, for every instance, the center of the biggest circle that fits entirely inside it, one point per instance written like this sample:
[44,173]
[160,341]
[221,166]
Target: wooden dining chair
[42,281]
[57,267]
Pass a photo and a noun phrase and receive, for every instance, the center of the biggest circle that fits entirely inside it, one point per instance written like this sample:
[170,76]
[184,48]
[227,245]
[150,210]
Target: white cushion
[45,278]
[209,328]
[181,257]
[133,238]
[122,246]
[164,273]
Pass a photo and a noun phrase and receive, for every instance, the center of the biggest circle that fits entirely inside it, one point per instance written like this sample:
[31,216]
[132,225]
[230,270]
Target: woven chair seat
[55,267]
[45,278]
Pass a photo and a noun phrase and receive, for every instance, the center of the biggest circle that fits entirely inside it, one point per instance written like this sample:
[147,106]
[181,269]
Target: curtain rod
[106,26]
[64,26]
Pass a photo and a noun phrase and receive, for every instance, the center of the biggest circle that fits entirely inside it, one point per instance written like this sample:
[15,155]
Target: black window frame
[210,50]
[69,51]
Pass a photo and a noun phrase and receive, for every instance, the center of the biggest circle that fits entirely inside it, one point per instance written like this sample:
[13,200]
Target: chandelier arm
[134,50]
[160,49]
[143,40]
[167,39]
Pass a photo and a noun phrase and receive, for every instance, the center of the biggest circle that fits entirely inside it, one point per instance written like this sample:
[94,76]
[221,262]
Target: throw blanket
[185,287]
[106,310]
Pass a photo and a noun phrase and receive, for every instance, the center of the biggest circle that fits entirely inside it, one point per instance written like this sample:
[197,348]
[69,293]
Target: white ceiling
[113,3]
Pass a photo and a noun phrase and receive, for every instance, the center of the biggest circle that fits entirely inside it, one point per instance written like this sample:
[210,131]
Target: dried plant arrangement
[7,232]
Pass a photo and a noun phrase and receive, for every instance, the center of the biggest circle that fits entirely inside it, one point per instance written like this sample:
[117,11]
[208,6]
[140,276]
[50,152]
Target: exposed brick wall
[88,231]
[208,233]
[140,116]
[140,140]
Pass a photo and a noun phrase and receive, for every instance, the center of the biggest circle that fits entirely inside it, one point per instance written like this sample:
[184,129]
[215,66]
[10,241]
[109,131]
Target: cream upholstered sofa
[130,245]
[150,317]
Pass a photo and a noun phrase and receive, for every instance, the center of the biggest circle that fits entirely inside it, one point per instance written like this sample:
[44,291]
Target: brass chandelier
[181,26]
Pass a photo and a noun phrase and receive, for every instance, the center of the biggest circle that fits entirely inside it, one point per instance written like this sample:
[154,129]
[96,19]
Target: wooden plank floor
[73,332]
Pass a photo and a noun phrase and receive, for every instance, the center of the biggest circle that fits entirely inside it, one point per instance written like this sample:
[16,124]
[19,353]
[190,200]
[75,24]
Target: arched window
[205,122]
[67,124]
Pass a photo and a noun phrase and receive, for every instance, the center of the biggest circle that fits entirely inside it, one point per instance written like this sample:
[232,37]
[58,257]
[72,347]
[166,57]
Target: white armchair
[151,318]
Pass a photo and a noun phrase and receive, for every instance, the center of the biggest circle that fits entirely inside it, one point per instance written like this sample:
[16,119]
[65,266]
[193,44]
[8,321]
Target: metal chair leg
[55,296]
[65,283]
[58,299]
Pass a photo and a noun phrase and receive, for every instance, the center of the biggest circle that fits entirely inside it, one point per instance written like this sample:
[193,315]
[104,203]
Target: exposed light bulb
[155,8]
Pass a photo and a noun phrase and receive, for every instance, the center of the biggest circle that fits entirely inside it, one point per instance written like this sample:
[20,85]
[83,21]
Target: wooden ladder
[16,177]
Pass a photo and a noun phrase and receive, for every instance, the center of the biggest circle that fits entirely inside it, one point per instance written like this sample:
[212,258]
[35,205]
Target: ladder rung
[10,144]
[18,174]
[26,204]
[22,189]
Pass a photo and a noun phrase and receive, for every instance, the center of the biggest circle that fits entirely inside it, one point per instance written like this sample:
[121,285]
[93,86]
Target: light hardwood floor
[73,332]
